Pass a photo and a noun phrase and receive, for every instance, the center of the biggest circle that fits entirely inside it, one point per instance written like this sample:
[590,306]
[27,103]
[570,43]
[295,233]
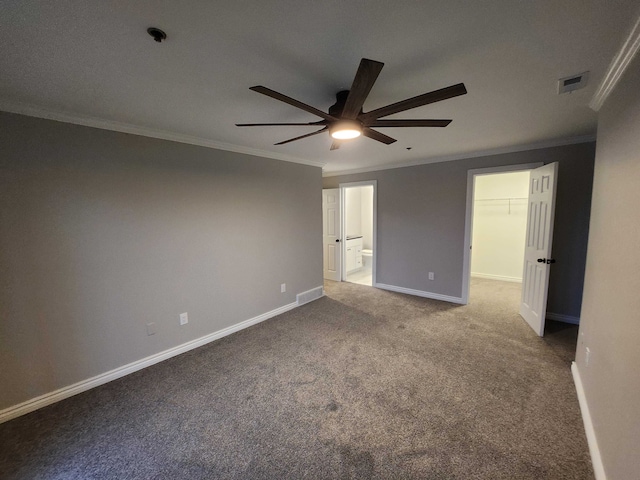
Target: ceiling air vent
[574,82]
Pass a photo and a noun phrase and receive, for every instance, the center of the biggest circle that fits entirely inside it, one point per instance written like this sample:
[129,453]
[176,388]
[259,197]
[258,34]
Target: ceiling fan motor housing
[336,109]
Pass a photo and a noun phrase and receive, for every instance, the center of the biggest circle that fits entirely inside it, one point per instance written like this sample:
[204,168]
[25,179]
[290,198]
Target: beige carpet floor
[361,384]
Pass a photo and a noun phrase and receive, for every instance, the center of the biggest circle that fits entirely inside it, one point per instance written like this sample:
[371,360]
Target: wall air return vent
[574,82]
[310,295]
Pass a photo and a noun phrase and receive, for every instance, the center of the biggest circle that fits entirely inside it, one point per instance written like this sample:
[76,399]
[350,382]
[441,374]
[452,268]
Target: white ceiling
[95,59]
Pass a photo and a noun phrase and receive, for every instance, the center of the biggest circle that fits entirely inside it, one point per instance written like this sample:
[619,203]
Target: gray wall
[610,325]
[102,232]
[421,215]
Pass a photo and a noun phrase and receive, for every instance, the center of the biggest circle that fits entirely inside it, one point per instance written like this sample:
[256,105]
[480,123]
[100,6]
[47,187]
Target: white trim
[596,459]
[419,293]
[480,153]
[502,278]
[84,385]
[559,317]
[374,239]
[618,66]
[468,219]
[88,121]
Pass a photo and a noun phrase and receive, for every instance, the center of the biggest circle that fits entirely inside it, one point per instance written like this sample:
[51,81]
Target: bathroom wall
[359,213]
[499,225]
[353,211]
[367,217]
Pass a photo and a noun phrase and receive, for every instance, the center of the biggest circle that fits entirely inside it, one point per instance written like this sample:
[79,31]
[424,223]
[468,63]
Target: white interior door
[332,253]
[537,254]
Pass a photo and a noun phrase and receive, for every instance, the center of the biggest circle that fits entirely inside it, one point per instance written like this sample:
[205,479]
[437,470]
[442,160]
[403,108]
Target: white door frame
[468,222]
[343,187]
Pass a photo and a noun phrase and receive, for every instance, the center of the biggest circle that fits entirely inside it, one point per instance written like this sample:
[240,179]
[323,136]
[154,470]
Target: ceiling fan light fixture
[346,119]
[345,129]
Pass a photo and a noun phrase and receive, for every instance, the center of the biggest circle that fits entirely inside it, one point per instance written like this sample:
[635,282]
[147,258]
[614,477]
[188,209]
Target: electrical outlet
[431,276]
[283,288]
[151,328]
[184,318]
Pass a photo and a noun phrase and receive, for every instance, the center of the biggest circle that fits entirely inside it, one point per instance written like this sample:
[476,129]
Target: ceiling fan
[346,120]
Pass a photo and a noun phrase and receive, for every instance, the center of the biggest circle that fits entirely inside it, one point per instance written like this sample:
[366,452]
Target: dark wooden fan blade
[408,123]
[414,102]
[291,101]
[367,132]
[366,76]
[335,145]
[302,136]
[310,124]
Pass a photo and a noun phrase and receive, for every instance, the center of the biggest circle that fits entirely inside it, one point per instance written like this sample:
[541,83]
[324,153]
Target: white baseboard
[497,277]
[596,459]
[84,385]
[420,293]
[559,317]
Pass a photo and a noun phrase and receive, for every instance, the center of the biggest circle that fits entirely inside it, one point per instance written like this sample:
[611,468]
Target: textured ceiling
[95,59]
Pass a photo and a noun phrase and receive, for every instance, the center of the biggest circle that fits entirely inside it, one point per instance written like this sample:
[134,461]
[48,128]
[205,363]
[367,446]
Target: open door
[537,254]
[332,253]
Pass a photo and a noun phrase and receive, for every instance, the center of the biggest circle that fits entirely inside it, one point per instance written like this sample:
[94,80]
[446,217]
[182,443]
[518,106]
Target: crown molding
[481,153]
[95,122]
[618,66]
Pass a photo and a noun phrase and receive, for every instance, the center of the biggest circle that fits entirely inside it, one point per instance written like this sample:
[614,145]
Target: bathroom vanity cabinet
[354,253]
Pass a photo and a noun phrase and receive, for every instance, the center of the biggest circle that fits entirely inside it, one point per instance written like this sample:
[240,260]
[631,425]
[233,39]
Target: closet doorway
[497,219]
[499,226]
[501,237]
[359,227]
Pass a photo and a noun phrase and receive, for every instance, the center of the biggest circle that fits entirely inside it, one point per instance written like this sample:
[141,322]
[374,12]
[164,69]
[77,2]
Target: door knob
[337,240]
[547,260]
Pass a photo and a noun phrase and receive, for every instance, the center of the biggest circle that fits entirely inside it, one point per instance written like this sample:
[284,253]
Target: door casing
[468,223]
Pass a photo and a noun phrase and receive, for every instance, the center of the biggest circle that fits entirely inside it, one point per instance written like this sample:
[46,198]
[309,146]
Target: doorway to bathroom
[359,227]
